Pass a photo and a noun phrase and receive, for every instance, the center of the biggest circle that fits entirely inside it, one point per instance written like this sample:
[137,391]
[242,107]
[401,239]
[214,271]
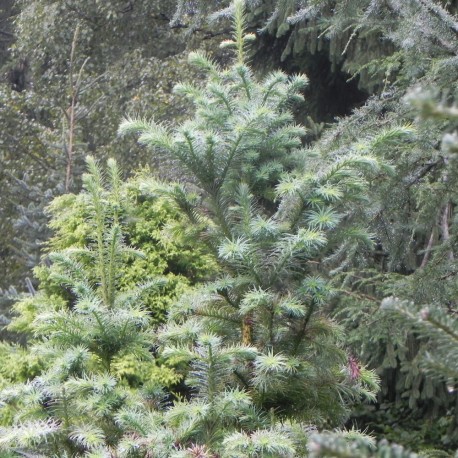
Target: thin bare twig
[71,112]
[446,214]
[427,250]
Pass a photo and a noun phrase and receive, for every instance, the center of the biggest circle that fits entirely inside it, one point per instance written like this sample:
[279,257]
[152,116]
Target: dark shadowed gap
[330,94]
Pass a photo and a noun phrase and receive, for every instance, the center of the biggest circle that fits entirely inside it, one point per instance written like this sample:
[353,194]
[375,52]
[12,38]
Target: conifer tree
[411,214]
[259,331]
[70,408]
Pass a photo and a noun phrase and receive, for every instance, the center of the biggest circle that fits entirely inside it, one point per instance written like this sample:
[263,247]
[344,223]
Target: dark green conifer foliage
[412,215]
